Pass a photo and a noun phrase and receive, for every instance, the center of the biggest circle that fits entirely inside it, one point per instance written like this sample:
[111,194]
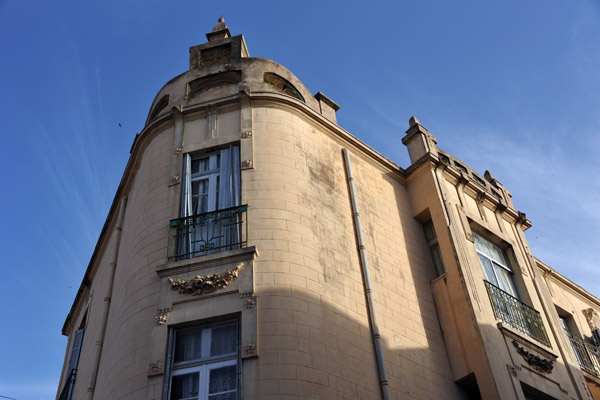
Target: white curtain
[229,187]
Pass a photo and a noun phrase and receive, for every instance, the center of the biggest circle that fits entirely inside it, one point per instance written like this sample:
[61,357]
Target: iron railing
[67,391]
[587,354]
[208,233]
[516,314]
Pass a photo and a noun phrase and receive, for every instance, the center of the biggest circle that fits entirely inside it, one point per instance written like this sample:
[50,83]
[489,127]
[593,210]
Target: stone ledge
[208,261]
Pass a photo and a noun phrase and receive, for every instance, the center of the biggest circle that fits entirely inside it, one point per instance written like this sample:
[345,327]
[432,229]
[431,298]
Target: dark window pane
[429,231]
[188,346]
[200,165]
[185,387]
[438,264]
[222,379]
[224,340]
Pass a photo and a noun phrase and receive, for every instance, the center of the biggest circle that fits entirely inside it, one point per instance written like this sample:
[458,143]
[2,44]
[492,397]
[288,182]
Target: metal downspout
[107,299]
[383,381]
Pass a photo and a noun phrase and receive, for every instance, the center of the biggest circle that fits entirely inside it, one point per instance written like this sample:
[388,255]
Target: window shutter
[75,350]
[186,190]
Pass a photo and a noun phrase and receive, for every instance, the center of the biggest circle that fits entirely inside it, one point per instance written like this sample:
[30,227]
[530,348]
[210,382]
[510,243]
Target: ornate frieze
[213,81]
[161,316]
[246,164]
[249,350]
[249,300]
[205,284]
[537,363]
[282,85]
[155,368]
[246,134]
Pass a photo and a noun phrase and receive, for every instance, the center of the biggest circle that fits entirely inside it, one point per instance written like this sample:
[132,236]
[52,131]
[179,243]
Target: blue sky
[509,86]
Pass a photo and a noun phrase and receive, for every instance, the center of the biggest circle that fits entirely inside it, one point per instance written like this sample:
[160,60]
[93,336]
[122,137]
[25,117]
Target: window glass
[185,387]
[222,380]
[200,165]
[188,345]
[205,363]
[224,340]
[434,248]
[495,265]
[429,232]
[488,270]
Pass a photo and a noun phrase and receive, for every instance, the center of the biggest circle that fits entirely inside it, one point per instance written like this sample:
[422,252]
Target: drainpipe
[111,279]
[383,382]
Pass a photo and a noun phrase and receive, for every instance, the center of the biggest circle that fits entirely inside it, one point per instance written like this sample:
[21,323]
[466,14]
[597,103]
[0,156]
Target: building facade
[257,250]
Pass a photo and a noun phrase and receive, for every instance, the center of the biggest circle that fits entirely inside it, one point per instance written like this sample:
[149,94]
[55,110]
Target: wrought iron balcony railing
[208,233]
[587,354]
[516,314]
[67,391]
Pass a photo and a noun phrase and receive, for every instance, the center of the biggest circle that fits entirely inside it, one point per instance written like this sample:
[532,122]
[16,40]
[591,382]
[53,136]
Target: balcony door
[211,187]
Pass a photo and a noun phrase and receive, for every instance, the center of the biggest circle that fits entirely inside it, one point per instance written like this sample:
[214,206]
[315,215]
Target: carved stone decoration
[282,85]
[249,300]
[249,350]
[175,179]
[215,55]
[161,316]
[155,368]
[592,318]
[205,284]
[537,363]
[246,135]
[512,370]
[214,81]
[246,164]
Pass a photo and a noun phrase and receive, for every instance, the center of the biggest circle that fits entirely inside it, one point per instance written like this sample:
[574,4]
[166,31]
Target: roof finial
[219,31]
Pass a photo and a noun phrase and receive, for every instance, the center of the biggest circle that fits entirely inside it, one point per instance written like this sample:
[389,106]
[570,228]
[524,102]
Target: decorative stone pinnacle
[413,121]
[220,25]
[219,31]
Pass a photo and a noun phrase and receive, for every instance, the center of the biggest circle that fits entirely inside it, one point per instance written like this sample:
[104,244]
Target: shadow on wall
[312,348]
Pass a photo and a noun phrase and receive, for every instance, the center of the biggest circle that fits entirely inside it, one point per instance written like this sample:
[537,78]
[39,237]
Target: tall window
[211,182]
[434,248]
[204,362]
[495,265]
[67,390]
[210,191]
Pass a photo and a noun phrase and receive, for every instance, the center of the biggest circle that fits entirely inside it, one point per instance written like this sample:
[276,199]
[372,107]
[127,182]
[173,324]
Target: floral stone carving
[205,284]
[538,363]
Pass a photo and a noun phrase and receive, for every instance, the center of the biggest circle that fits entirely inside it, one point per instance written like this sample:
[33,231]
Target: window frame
[204,365]
[434,247]
[502,265]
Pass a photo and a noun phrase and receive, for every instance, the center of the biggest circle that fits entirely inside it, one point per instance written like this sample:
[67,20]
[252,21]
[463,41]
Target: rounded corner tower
[233,262]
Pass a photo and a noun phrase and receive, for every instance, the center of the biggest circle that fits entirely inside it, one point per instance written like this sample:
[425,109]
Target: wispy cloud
[555,184]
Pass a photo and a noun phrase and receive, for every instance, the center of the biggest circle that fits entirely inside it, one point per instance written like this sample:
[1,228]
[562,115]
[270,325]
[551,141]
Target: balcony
[67,391]
[587,354]
[516,314]
[208,233]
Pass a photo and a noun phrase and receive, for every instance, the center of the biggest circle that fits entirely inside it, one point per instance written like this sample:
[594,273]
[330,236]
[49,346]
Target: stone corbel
[460,188]
[500,209]
[479,200]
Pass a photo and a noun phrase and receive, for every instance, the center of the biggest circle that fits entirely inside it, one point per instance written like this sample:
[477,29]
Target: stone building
[257,250]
